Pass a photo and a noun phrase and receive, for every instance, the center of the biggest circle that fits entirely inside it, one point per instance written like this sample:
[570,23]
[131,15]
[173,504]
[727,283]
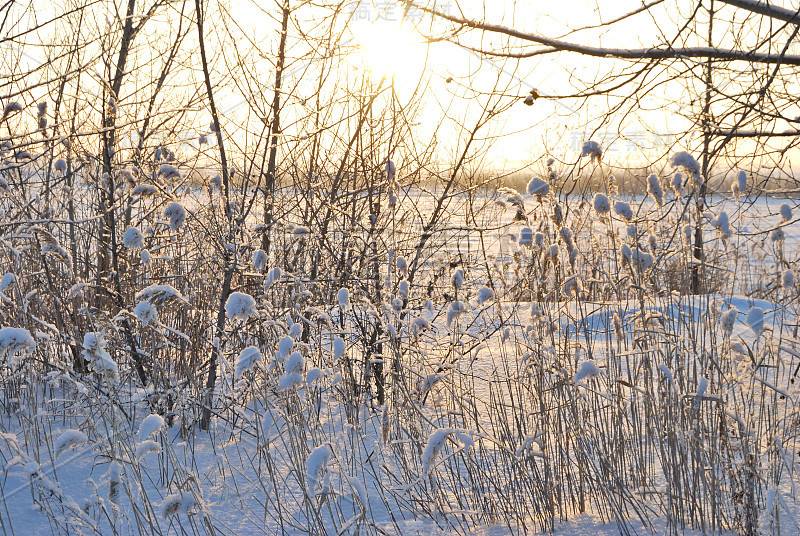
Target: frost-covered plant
[248,358]
[100,361]
[623,209]
[15,343]
[259,260]
[602,205]
[484,295]
[685,160]
[176,214]
[241,306]
[655,190]
[728,319]
[133,239]
[455,310]
[593,150]
[146,313]
[722,224]
[538,187]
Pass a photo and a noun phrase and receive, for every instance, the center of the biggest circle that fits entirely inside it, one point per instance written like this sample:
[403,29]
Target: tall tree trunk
[269,186]
[229,260]
[698,253]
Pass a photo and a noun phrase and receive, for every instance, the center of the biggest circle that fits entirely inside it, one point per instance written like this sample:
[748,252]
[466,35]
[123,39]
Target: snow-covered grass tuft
[755,320]
[133,239]
[248,358]
[68,439]
[151,424]
[602,205]
[100,361]
[538,187]
[146,313]
[485,294]
[240,306]
[259,260]
[316,467]
[343,296]
[593,150]
[176,215]
[455,310]
[686,161]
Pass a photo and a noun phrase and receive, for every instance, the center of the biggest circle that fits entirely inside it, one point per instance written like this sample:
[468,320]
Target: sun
[389,49]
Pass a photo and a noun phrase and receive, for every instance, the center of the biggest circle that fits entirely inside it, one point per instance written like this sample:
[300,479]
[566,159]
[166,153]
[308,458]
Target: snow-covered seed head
[344,298]
[485,294]
[687,234]
[15,343]
[538,187]
[247,359]
[618,327]
[133,239]
[169,172]
[641,260]
[458,279]
[739,187]
[655,190]
[316,467]
[593,150]
[273,276]
[176,215]
[777,235]
[455,310]
[553,252]
[146,313]
[7,281]
[602,205]
[391,170]
[300,232]
[215,182]
[625,252]
[259,260]
[728,319]
[526,237]
[623,209]
[286,344]
[755,320]
[686,161]
[677,182]
[11,108]
[538,239]
[100,361]
[420,324]
[653,243]
[786,211]
[722,224]
[402,266]
[60,166]
[587,370]
[240,306]
[787,279]
[402,289]
[572,287]
[566,236]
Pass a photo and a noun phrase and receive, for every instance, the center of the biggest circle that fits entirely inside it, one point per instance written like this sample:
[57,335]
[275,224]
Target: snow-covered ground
[586,393]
